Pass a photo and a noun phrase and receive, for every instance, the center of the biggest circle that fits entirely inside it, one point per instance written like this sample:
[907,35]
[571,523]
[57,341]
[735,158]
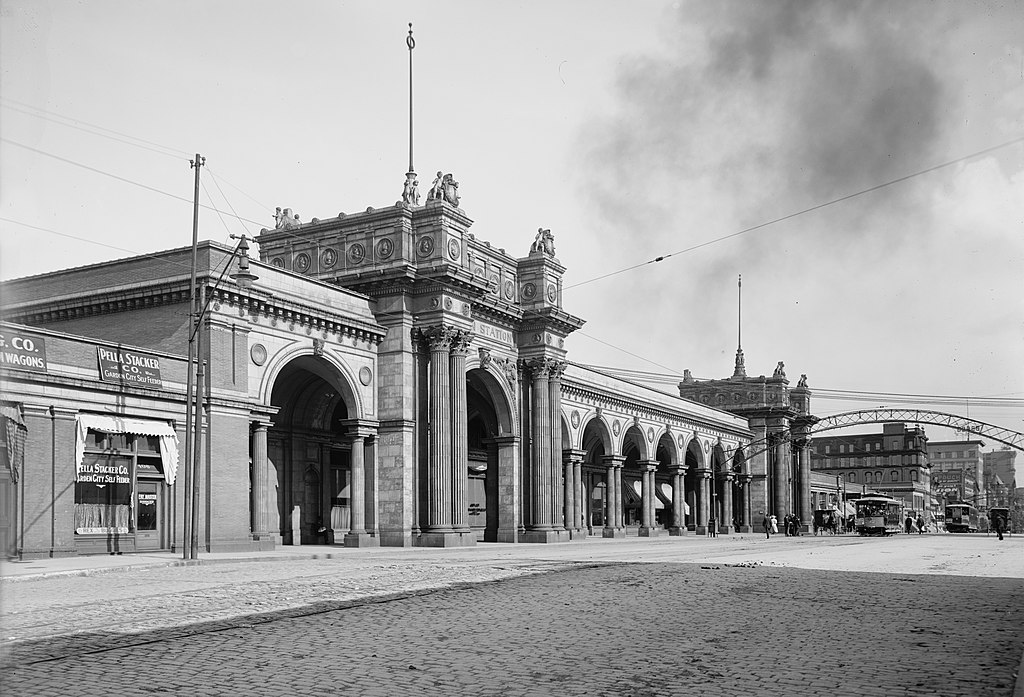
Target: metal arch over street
[960,423]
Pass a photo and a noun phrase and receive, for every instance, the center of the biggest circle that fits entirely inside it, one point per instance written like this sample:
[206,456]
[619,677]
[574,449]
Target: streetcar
[961,517]
[878,515]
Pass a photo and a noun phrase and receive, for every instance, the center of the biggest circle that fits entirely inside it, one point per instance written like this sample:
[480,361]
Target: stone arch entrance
[634,452]
[492,451]
[599,468]
[696,487]
[667,484]
[314,446]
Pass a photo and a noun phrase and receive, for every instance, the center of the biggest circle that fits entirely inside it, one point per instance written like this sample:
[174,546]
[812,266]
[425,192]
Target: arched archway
[634,452]
[492,451]
[596,442]
[696,487]
[665,481]
[309,453]
[721,490]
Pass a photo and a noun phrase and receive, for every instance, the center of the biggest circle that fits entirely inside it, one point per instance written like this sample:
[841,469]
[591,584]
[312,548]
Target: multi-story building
[1002,464]
[958,471]
[893,462]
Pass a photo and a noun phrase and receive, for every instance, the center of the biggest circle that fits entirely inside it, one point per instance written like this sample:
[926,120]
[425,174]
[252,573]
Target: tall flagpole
[410,192]
[411,43]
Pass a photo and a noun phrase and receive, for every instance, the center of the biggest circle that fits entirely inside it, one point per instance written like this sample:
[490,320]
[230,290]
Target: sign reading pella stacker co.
[25,351]
[129,367]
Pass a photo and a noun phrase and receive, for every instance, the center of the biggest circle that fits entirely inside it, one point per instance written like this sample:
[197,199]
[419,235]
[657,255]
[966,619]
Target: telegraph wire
[819,206]
[114,176]
[118,136]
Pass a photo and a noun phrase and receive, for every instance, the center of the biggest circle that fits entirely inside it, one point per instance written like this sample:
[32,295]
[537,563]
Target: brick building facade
[388,379]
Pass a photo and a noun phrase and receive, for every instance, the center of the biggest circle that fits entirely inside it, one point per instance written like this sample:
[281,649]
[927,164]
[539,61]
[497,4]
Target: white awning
[139,427]
[638,488]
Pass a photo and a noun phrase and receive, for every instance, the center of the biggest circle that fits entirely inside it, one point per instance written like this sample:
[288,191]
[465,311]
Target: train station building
[385,377]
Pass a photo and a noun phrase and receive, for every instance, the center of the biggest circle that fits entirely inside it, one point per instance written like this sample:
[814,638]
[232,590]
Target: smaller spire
[740,370]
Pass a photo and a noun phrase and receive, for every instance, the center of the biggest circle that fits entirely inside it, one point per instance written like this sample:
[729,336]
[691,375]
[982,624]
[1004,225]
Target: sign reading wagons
[129,367]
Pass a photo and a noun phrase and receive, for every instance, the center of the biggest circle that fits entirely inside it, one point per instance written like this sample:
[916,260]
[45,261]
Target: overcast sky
[632,130]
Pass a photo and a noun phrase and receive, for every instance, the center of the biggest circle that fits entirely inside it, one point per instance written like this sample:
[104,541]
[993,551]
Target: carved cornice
[125,300]
[293,315]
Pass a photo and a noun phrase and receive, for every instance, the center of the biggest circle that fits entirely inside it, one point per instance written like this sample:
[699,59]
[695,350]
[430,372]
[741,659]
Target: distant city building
[780,419]
[893,462]
[958,470]
[1002,463]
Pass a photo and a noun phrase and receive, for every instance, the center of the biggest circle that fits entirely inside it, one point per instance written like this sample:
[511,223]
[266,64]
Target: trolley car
[878,515]
[961,517]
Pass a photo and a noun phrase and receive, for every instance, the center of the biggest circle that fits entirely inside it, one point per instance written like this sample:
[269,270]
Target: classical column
[559,512]
[704,503]
[726,523]
[647,497]
[540,451]
[613,496]
[357,488]
[806,510]
[362,496]
[571,507]
[439,480]
[678,502]
[575,495]
[748,506]
[260,481]
[781,476]
[459,437]
[620,513]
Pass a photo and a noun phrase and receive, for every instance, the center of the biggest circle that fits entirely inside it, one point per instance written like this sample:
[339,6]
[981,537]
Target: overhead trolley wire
[810,209]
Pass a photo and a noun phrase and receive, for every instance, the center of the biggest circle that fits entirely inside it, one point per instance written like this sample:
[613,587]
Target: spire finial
[740,370]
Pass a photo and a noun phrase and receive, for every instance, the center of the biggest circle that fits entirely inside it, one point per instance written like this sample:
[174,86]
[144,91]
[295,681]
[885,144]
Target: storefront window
[106,478]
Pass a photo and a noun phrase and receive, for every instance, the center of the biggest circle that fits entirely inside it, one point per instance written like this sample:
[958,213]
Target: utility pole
[189,518]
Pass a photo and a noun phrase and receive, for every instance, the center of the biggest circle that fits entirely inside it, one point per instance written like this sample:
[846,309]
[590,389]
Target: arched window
[894,475]
[852,477]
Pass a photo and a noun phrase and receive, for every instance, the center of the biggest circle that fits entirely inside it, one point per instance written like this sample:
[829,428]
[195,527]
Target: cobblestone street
[451,624]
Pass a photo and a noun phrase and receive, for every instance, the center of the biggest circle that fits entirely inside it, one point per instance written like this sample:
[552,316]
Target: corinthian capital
[460,342]
[439,338]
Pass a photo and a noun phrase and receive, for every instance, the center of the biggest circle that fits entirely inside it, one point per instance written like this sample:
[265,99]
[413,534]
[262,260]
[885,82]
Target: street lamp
[244,278]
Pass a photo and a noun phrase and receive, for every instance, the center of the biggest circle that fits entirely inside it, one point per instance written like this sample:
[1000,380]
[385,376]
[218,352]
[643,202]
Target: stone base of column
[578,534]
[544,536]
[396,538]
[745,528]
[806,529]
[265,541]
[614,533]
[648,532]
[361,539]
[701,530]
[726,529]
[446,539]
[678,532]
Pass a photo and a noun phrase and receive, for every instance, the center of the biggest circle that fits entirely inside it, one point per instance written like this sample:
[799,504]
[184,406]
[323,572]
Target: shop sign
[129,367]
[103,473]
[25,351]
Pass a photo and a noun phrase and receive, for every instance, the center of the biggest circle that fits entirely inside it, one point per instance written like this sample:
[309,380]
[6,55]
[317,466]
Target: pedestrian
[775,525]
[920,524]
[785,524]
[767,523]
[796,525]
[712,527]
[909,524]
